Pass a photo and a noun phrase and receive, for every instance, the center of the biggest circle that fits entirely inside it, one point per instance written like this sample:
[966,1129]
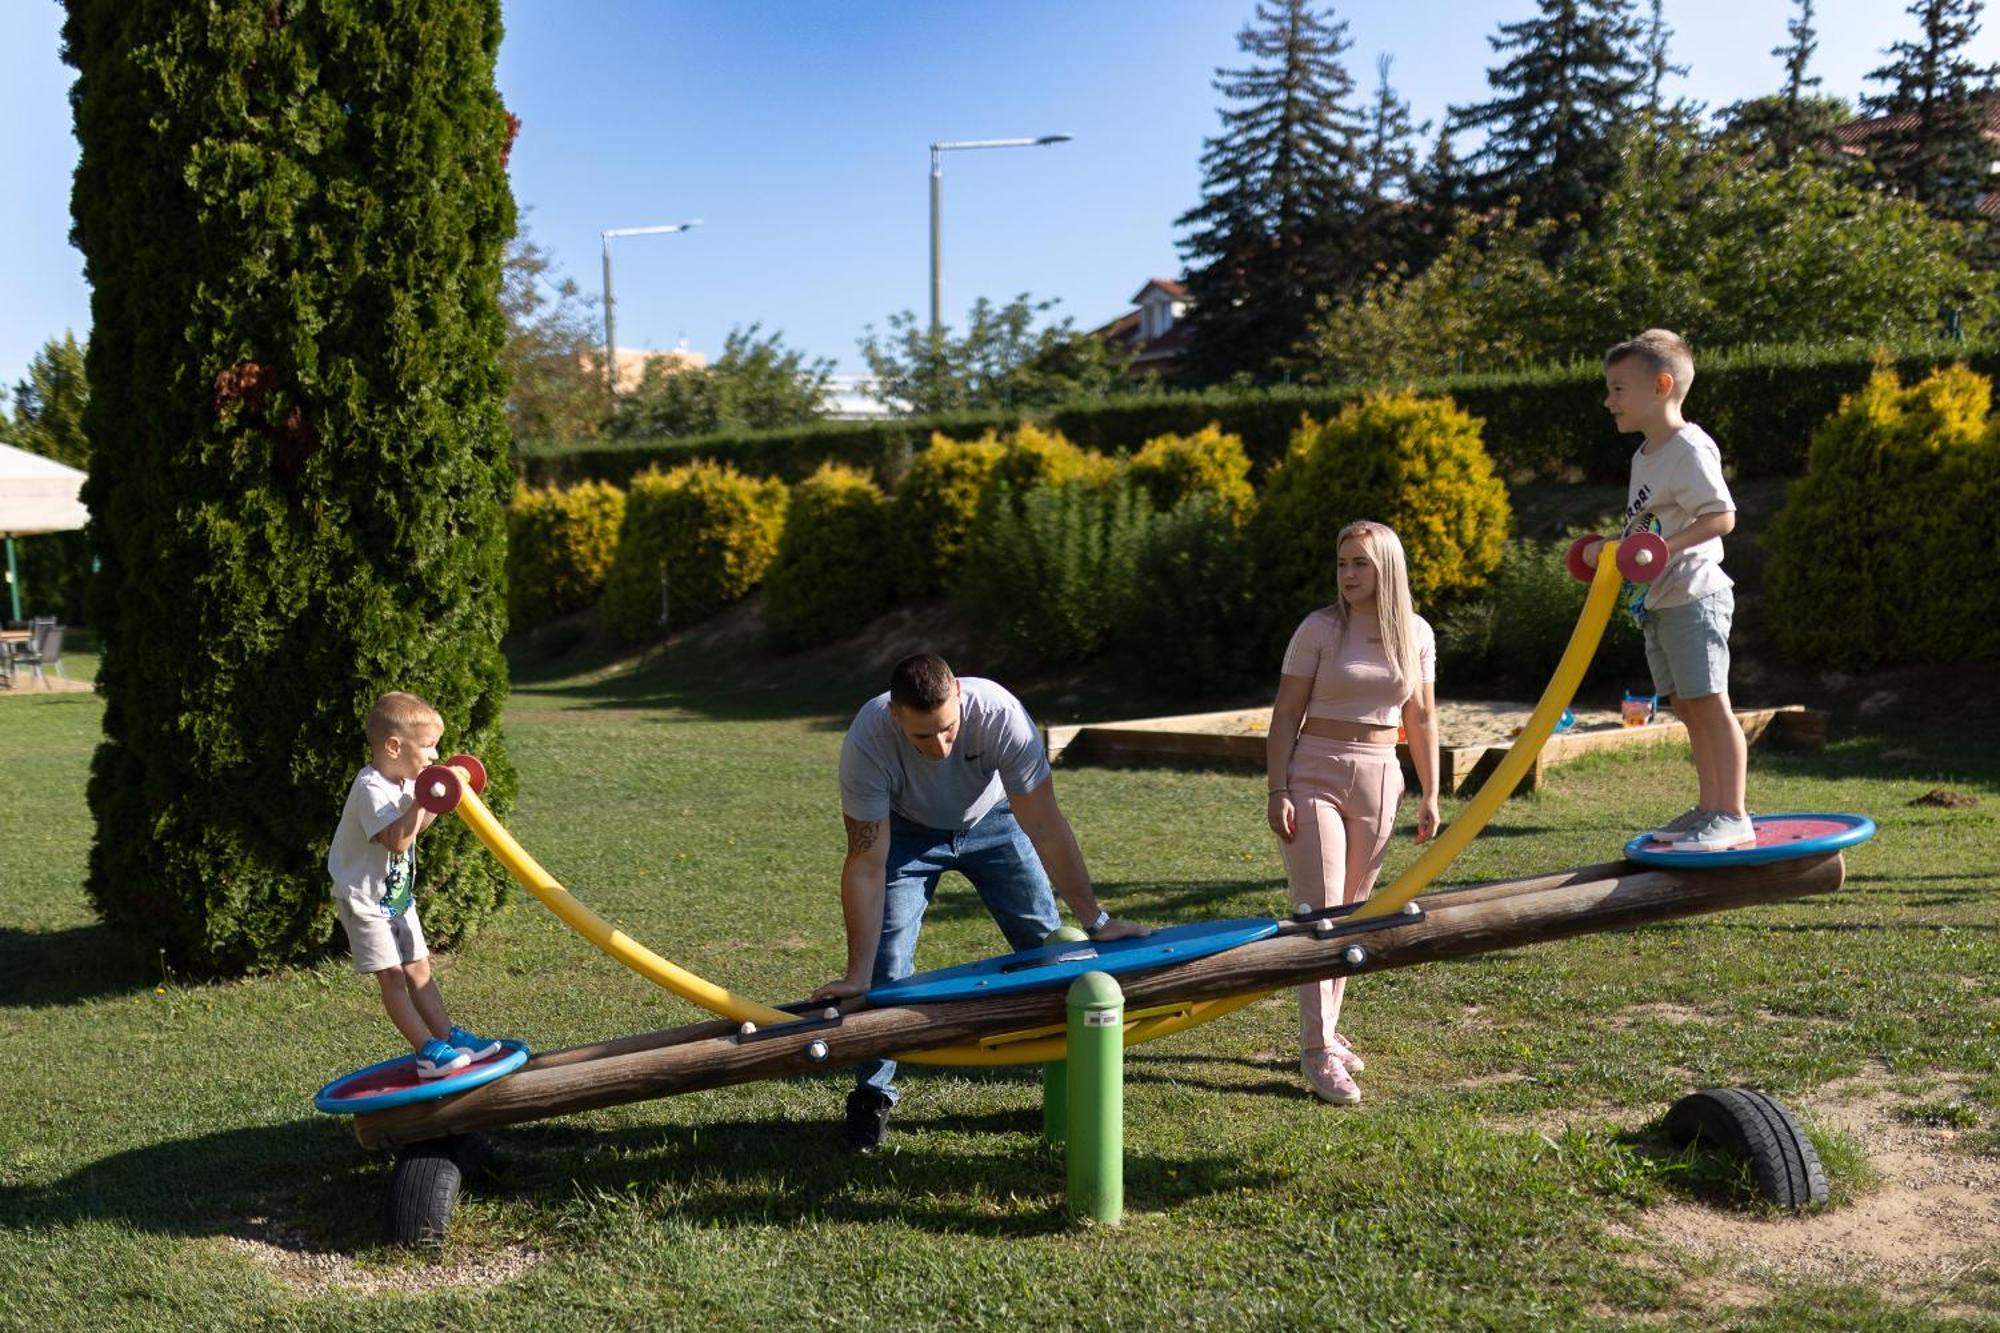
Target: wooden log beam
[1478,919]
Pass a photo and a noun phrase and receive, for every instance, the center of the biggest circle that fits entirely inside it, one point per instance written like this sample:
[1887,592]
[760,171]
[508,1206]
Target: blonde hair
[1393,609]
[1663,351]
[398,713]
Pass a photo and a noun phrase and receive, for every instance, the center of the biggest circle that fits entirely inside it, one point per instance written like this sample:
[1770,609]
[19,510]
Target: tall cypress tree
[1279,221]
[1576,75]
[292,217]
[1934,148]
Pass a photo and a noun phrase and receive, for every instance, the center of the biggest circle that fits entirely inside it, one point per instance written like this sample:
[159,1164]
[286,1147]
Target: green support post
[1055,1074]
[1096,1147]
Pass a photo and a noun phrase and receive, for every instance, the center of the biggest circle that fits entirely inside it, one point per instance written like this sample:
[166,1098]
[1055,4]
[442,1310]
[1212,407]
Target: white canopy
[38,494]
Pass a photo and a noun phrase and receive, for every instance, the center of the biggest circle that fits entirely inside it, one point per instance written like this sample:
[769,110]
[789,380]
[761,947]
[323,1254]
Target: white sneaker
[1718,832]
[1680,825]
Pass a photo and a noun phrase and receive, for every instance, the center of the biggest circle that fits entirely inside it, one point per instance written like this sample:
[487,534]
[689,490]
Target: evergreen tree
[49,404]
[1796,120]
[1393,226]
[1282,195]
[1577,74]
[293,217]
[54,567]
[1932,146]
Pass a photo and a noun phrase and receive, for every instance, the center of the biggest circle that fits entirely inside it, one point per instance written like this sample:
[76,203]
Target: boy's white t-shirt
[371,880]
[1671,487]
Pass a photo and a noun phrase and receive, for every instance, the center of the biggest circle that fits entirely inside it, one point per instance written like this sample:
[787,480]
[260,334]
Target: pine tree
[1577,75]
[1796,121]
[293,217]
[1933,147]
[1394,227]
[1282,187]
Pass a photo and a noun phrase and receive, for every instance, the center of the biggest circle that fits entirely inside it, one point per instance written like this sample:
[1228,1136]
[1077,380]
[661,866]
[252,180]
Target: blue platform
[1058,964]
[395,1082]
[1779,838]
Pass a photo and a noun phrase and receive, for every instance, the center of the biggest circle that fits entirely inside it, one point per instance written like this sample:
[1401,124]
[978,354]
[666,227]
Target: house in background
[857,398]
[632,363]
[1154,333]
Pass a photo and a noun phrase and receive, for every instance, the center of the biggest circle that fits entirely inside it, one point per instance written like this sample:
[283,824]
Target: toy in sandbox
[1071,1001]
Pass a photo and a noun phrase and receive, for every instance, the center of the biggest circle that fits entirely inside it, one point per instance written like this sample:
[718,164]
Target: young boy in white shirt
[1678,491]
[374,867]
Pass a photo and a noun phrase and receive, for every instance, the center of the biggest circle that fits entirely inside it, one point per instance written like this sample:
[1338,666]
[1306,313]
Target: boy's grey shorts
[1687,646]
[380,942]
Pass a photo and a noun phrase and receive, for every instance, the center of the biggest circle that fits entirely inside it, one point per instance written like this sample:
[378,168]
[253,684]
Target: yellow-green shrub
[1416,464]
[831,575]
[708,528]
[1881,555]
[1209,462]
[1034,457]
[560,545]
[935,506]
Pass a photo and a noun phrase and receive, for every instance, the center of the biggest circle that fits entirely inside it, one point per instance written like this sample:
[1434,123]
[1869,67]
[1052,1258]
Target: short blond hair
[398,713]
[1663,351]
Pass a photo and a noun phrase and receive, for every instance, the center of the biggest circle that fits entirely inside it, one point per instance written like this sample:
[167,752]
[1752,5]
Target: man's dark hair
[921,683]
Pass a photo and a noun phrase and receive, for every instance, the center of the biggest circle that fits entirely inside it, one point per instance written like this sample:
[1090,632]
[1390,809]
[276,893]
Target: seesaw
[1010,1010]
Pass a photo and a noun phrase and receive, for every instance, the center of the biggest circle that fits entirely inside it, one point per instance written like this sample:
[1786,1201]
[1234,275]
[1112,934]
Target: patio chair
[44,651]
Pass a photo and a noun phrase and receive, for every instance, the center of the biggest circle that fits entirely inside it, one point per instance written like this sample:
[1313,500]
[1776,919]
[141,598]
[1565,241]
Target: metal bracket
[1329,922]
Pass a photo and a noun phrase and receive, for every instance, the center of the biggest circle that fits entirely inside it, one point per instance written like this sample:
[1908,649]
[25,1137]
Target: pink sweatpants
[1345,795]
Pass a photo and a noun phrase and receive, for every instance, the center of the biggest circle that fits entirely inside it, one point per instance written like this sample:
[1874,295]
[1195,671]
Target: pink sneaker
[1345,1053]
[1329,1078]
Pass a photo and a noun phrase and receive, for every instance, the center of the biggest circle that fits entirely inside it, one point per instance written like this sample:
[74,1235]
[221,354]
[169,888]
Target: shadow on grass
[44,969]
[326,1194]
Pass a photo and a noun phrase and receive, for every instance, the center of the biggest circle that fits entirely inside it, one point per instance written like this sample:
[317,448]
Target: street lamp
[938,150]
[610,339]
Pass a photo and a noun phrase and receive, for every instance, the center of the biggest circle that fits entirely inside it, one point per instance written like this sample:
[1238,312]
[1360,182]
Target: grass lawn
[161,1166]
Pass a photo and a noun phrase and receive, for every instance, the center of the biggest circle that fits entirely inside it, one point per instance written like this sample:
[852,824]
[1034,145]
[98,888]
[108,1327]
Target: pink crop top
[1351,680]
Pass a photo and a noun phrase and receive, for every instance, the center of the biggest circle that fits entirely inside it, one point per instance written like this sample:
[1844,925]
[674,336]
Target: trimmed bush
[935,509]
[1173,468]
[1879,555]
[560,545]
[1034,457]
[1193,618]
[1548,424]
[1055,571]
[831,576]
[293,218]
[694,540]
[1413,463]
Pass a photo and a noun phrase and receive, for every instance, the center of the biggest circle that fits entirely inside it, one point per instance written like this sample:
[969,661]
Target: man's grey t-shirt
[998,754]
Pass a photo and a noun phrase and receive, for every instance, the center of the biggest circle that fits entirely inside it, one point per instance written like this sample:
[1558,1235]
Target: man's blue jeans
[1001,863]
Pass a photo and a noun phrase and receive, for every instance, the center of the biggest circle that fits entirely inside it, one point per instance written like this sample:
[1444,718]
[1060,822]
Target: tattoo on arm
[861,833]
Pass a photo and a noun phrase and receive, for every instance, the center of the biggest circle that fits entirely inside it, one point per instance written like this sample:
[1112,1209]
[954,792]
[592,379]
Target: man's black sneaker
[867,1121]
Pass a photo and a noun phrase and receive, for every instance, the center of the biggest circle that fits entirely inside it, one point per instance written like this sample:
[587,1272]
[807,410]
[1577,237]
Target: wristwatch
[1103,919]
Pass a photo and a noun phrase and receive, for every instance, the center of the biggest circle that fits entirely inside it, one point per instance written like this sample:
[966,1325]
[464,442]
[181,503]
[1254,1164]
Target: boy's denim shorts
[1687,646]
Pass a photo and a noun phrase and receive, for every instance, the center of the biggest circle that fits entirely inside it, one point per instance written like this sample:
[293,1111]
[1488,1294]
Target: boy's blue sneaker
[475,1048]
[439,1058]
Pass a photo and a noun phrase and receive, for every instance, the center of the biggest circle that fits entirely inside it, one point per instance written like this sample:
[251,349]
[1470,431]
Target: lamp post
[938,150]
[610,336]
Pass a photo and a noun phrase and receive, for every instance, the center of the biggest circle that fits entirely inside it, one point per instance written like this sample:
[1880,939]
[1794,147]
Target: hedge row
[1761,405]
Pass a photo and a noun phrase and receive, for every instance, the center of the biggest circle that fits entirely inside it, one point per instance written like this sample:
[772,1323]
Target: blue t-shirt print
[1638,519]
[397,885]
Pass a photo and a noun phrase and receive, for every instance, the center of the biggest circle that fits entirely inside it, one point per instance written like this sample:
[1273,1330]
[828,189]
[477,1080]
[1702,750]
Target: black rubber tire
[1753,1127]
[423,1189]
[476,1158]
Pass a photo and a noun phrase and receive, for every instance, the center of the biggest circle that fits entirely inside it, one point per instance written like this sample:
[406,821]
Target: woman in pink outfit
[1354,671]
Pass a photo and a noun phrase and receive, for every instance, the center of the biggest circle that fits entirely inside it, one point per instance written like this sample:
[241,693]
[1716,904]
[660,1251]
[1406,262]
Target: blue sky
[799,133]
